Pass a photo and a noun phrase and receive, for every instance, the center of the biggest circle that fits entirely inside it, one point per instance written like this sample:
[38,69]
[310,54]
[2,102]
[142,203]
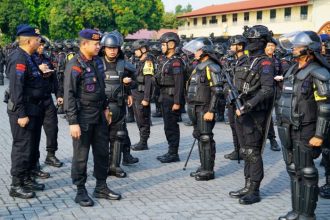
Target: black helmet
[308,39]
[68,44]
[201,43]
[237,39]
[58,45]
[113,39]
[170,36]
[257,31]
[273,40]
[138,44]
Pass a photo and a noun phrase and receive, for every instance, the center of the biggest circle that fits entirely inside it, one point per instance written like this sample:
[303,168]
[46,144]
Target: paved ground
[152,190]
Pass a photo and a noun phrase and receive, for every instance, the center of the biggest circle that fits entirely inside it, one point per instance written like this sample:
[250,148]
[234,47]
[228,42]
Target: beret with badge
[90,34]
[27,31]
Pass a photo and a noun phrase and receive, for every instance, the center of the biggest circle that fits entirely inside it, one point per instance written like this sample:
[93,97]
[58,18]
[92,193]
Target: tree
[170,19]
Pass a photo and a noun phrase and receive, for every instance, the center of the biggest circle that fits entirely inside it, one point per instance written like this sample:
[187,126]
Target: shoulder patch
[176,63]
[20,69]
[76,70]
[266,62]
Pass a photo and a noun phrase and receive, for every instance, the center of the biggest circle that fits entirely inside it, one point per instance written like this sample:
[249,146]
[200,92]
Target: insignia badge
[88,69]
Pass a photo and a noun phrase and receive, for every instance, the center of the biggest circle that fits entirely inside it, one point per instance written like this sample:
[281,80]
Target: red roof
[245,5]
[146,34]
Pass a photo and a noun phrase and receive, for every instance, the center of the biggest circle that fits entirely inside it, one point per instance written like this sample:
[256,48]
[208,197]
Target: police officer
[2,65]
[61,61]
[269,51]
[204,89]
[236,50]
[170,80]
[142,92]
[119,74]
[157,52]
[25,111]
[86,109]
[255,84]
[50,123]
[304,114]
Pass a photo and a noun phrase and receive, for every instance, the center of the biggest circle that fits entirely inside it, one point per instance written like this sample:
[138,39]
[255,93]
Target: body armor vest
[246,79]
[297,105]
[199,91]
[113,82]
[164,77]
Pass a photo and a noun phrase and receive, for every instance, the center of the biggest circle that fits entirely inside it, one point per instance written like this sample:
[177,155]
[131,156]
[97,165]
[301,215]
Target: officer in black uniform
[270,50]
[304,119]
[50,123]
[256,85]
[85,105]
[203,92]
[157,52]
[143,91]
[119,74]
[237,47]
[2,65]
[25,111]
[170,79]
[61,62]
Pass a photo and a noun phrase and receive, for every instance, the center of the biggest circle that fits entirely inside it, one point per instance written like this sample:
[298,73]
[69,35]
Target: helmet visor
[192,47]
[295,39]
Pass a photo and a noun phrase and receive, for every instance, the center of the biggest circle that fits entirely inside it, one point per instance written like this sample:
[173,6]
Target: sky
[196,4]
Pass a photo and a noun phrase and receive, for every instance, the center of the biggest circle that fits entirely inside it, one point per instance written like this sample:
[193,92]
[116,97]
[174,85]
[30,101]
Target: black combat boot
[102,191]
[117,172]
[82,197]
[204,175]
[141,145]
[207,156]
[325,189]
[252,196]
[128,159]
[52,160]
[39,173]
[17,189]
[194,173]
[241,192]
[233,155]
[31,184]
[274,145]
[292,215]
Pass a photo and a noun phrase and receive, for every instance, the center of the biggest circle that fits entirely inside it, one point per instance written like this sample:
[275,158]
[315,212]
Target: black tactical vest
[297,105]
[199,91]
[164,77]
[113,81]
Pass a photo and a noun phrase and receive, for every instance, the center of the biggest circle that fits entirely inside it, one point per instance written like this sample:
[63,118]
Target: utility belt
[98,104]
[167,90]
[35,101]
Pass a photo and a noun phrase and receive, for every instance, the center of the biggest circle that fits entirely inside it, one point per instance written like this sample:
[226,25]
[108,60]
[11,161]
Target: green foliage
[60,19]
[170,19]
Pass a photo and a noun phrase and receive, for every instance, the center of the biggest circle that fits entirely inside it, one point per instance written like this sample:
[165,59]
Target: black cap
[90,34]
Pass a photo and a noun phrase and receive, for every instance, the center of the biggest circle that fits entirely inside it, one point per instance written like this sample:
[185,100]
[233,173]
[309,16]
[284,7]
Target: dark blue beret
[27,30]
[90,34]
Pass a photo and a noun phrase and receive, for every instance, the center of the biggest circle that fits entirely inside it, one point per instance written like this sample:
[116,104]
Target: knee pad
[205,138]
[310,173]
[252,155]
[121,135]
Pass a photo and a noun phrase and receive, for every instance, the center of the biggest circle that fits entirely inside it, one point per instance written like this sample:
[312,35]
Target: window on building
[188,23]
[214,20]
[195,21]
[272,14]
[303,12]
[224,18]
[204,21]
[259,15]
[246,16]
[287,13]
[234,18]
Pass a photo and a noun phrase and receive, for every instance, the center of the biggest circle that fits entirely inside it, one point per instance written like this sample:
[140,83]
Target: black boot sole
[18,195]
[85,204]
[103,196]
[53,165]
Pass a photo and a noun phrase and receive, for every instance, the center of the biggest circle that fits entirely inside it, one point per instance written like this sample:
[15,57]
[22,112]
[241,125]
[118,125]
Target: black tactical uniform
[303,114]
[116,92]
[234,65]
[84,104]
[60,67]
[255,83]
[142,92]
[170,79]
[204,89]
[156,51]
[2,65]
[50,122]
[26,100]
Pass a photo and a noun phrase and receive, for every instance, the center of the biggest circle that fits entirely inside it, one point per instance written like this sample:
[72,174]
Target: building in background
[280,16]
